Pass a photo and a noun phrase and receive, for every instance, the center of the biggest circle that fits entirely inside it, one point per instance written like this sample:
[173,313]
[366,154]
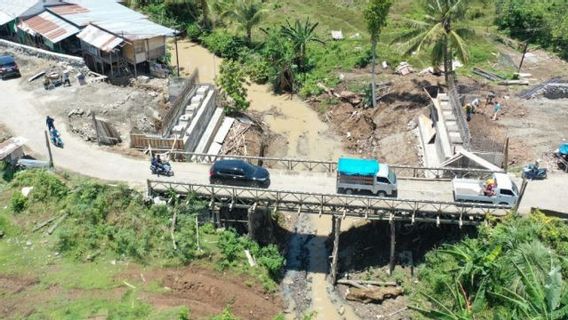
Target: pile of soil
[387,131]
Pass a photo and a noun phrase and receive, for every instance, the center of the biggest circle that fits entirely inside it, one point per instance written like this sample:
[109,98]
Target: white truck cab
[503,192]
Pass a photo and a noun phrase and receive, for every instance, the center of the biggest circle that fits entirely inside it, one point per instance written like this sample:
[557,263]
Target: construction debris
[404,68]
[513,82]
[336,35]
[488,75]
[555,88]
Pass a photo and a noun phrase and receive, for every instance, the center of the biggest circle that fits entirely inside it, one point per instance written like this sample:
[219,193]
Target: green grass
[112,222]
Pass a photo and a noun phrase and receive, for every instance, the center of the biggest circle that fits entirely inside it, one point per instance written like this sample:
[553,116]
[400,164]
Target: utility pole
[177,54]
[48,149]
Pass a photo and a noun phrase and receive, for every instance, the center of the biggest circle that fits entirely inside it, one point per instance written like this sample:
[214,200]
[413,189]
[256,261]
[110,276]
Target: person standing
[66,82]
[496,110]
[475,104]
[468,111]
[49,121]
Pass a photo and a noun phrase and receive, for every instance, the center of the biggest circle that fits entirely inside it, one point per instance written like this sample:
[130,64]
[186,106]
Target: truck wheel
[348,191]
[382,194]
[503,204]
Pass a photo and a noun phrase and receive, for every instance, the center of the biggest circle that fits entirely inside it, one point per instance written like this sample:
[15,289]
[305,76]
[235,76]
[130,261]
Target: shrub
[227,314]
[222,44]
[193,31]
[272,260]
[18,202]
[259,70]
[231,80]
[46,185]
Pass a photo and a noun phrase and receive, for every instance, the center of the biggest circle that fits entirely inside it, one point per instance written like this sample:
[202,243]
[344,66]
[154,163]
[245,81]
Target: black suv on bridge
[239,173]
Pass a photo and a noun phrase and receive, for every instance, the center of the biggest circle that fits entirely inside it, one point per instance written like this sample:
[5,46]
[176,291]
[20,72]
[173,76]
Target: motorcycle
[533,172]
[165,169]
[55,138]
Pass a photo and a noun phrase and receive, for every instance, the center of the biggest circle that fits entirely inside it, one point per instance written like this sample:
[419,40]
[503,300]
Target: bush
[18,202]
[271,259]
[227,314]
[259,70]
[364,58]
[232,247]
[46,186]
[222,44]
[194,31]
[231,80]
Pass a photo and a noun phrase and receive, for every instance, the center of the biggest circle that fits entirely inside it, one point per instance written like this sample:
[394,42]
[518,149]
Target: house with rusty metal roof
[112,38]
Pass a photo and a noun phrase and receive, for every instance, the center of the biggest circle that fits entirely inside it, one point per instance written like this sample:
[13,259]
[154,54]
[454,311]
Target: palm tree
[376,17]
[217,10]
[247,13]
[443,30]
[300,34]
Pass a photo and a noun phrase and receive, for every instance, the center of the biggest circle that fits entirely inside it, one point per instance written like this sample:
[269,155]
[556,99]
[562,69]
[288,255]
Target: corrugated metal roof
[11,9]
[49,26]
[111,16]
[99,38]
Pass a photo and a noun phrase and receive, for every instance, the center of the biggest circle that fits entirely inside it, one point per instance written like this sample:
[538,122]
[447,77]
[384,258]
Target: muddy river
[289,116]
[308,137]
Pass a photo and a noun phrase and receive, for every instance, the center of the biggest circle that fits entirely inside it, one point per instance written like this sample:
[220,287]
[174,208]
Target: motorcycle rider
[49,122]
[158,164]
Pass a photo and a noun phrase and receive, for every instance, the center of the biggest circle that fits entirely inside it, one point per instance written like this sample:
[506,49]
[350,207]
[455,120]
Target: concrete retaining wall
[201,121]
[74,61]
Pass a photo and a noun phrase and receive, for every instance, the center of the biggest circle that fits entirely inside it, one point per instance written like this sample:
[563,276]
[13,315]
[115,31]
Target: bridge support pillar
[392,246]
[336,231]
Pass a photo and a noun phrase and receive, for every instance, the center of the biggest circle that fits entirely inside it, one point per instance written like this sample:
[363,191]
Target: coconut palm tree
[301,34]
[247,14]
[443,30]
[376,17]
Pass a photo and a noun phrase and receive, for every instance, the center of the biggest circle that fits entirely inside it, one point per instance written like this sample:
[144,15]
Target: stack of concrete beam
[221,135]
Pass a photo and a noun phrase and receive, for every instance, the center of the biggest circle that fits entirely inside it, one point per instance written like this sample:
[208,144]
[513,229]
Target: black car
[8,67]
[240,173]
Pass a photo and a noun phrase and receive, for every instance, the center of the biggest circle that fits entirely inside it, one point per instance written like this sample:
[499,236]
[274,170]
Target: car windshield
[392,176]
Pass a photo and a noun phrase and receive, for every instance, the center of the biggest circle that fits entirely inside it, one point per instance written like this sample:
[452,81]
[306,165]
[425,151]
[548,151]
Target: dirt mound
[384,132]
[207,292]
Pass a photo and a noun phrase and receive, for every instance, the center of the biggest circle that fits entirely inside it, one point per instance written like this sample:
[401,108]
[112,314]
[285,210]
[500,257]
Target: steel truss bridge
[290,164]
[371,208]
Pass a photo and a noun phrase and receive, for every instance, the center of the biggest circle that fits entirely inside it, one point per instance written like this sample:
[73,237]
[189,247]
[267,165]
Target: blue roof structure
[357,167]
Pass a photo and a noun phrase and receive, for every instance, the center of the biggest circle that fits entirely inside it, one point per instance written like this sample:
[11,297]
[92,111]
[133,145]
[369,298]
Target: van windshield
[392,176]
[515,190]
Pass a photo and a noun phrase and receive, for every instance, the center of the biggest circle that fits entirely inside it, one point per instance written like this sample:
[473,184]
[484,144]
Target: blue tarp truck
[365,176]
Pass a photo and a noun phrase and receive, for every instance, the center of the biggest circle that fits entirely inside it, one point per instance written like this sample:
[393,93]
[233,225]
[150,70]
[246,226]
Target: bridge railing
[372,208]
[402,171]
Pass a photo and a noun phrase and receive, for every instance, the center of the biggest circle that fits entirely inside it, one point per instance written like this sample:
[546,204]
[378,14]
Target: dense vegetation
[513,270]
[289,46]
[113,223]
[539,22]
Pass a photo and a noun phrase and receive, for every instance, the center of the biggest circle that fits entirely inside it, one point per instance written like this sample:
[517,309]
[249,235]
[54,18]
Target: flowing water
[308,137]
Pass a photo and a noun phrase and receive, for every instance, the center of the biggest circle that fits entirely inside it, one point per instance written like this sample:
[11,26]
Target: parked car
[8,67]
[239,173]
